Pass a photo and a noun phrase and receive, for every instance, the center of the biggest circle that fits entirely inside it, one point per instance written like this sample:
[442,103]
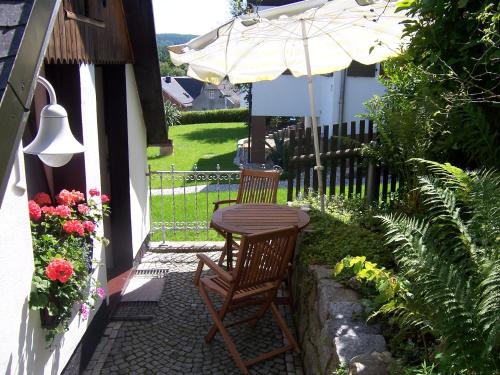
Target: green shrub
[345,228]
[217,115]
[448,267]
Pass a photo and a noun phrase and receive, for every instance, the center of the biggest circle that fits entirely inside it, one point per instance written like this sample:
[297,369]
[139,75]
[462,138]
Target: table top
[254,218]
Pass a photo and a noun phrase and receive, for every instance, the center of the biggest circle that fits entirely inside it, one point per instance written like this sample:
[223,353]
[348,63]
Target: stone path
[172,341]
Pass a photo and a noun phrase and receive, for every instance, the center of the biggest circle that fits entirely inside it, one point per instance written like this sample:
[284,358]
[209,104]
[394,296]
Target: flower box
[63,236]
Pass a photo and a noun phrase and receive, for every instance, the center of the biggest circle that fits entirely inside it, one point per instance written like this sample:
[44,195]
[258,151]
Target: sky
[189,16]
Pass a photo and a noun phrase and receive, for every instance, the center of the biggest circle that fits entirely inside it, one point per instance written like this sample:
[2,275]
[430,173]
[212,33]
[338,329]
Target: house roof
[13,19]
[192,86]
[176,92]
[20,61]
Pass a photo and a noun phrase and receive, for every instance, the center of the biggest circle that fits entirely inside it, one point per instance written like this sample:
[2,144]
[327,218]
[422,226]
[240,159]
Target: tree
[452,66]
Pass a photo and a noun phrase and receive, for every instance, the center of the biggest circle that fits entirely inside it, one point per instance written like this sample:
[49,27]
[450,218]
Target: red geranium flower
[104,198]
[63,211]
[94,192]
[42,199]
[89,226]
[74,226]
[59,269]
[83,209]
[35,211]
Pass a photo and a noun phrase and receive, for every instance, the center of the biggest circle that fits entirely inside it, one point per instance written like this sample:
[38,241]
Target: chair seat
[220,286]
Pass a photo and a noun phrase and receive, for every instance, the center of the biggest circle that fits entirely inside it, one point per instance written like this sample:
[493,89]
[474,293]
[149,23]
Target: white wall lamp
[54,144]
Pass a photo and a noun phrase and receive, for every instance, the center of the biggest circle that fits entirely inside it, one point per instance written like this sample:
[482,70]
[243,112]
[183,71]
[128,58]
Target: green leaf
[338,268]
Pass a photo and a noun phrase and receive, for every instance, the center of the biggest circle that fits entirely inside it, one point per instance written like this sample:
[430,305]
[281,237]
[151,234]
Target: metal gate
[181,202]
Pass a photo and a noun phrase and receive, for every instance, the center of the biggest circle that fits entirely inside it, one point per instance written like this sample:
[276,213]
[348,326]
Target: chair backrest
[264,257]
[258,186]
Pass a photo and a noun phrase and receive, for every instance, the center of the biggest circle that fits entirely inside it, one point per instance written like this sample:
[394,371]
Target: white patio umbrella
[307,38]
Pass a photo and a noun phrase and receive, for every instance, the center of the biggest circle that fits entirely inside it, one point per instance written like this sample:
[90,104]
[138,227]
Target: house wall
[23,349]
[288,96]
[138,163]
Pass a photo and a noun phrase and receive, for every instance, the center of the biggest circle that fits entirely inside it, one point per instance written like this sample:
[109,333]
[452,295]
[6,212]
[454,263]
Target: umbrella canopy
[261,46]
[307,38]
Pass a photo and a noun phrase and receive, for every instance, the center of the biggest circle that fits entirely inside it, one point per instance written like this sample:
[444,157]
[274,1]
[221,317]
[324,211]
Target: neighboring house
[175,93]
[211,96]
[339,96]
[101,58]
[190,94]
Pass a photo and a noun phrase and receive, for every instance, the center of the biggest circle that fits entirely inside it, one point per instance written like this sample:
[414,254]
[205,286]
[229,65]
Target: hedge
[217,115]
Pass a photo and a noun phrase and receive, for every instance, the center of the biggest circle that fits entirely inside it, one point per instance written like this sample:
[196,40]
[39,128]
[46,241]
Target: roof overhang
[16,99]
[140,22]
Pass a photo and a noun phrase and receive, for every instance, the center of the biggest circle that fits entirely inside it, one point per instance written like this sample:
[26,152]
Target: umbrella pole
[318,167]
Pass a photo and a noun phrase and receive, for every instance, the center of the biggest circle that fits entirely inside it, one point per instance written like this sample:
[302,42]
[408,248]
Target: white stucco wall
[138,163]
[357,91]
[16,259]
[288,96]
[92,156]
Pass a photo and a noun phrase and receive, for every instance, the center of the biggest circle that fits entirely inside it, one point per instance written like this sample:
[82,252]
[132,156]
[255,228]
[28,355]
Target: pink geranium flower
[34,210]
[89,226]
[94,192]
[74,226]
[84,310]
[101,292]
[104,198]
[83,209]
[63,211]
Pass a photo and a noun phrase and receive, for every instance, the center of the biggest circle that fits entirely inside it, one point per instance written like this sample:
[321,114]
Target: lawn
[204,145]
[162,209]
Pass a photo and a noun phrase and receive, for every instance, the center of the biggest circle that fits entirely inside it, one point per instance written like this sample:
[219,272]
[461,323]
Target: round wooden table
[254,218]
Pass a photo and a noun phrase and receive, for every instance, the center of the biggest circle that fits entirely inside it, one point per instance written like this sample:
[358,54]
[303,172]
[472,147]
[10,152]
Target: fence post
[369,182]
[291,166]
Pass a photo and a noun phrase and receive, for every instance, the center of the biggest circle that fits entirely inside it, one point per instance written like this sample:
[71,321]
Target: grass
[162,209]
[205,145]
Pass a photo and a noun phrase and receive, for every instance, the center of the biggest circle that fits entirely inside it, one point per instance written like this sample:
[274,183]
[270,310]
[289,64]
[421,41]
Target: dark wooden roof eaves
[21,58]
[140,22]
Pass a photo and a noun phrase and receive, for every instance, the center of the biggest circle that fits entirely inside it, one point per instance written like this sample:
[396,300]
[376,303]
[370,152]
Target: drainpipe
[341,102]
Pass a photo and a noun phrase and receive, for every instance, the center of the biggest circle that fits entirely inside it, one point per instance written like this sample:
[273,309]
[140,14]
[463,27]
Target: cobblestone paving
[172,341]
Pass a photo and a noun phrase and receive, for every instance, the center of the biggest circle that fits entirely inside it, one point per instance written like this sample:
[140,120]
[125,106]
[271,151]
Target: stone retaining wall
[328,331]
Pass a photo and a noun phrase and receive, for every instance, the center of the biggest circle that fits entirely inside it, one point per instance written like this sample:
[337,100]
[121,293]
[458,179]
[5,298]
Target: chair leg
[260,313]
[197,274]
[222,257]
[284,328]
[220,327]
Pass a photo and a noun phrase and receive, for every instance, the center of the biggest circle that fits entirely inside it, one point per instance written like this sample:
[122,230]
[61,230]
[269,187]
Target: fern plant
[451,261]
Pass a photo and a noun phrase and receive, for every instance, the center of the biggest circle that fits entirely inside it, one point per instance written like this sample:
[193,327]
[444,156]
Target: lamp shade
[54,144]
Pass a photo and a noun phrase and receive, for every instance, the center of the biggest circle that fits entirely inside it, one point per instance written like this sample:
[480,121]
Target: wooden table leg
[229,251]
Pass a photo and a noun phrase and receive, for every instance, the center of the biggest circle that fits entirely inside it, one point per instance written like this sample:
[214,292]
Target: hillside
[164,40]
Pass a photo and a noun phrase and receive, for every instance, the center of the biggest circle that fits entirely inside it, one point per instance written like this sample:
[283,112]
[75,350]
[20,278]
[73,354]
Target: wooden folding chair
[256,186]
[260,268]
